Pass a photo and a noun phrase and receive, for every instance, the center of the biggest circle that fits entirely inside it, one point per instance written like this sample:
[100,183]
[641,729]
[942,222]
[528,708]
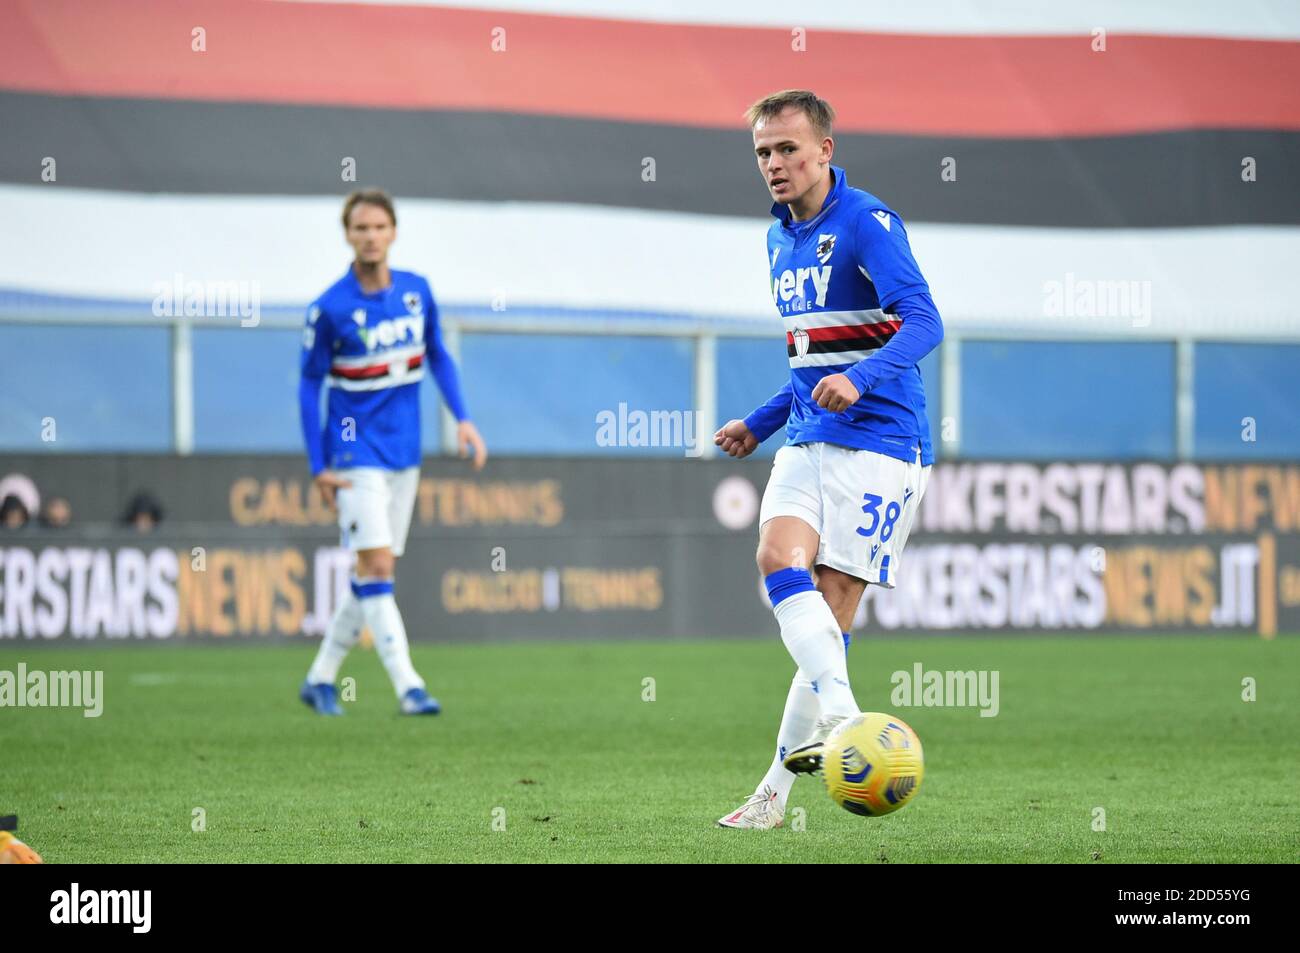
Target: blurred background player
[844,490]
[371,334]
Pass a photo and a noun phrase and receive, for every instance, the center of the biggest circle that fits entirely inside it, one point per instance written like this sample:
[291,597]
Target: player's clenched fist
[835,392]
[735,439]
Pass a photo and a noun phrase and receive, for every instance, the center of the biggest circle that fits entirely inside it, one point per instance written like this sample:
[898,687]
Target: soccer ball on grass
[872,764]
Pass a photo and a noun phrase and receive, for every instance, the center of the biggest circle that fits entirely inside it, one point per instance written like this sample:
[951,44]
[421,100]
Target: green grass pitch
[555,743]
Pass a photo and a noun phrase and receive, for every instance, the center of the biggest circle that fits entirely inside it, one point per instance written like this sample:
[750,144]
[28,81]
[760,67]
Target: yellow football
[872,764]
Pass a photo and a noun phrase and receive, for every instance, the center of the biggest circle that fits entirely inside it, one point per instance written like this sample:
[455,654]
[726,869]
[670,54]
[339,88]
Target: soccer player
[846,486]
[371,335]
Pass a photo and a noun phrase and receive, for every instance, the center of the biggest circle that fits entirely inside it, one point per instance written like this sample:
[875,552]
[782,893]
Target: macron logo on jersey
[790,284]
[882,217]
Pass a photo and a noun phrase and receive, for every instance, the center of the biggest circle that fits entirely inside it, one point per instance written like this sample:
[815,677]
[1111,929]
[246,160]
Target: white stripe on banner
[1121,283]
[1270,19]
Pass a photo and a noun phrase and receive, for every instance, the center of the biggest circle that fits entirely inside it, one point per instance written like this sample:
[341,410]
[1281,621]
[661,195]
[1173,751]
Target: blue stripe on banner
[884,569]
[380,587]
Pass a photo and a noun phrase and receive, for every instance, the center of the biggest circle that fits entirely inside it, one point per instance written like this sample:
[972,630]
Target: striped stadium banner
[565,156]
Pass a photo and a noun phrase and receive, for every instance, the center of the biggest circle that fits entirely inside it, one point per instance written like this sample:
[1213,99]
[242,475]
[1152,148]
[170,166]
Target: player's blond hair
[819,112]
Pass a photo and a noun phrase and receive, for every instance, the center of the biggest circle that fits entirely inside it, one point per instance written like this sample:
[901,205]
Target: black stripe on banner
[842,344]
[1163,179]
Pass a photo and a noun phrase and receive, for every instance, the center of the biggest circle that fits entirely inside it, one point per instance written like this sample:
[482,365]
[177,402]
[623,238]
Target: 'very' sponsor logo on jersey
[393,331]
[788,288]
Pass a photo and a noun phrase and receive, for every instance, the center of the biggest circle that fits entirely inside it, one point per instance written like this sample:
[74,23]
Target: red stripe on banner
[422,58]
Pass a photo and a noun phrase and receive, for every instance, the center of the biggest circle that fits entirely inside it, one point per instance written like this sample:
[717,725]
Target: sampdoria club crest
[800,342]
[825,248]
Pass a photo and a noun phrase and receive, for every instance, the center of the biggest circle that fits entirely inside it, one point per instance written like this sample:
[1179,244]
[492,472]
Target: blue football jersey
[372,349]
[835,280]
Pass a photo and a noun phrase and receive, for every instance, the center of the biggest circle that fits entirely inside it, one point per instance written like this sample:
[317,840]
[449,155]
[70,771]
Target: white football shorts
[376,510]
[861,503]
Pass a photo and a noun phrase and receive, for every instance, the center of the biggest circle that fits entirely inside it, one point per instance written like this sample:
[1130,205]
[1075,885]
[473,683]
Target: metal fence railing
[704,332]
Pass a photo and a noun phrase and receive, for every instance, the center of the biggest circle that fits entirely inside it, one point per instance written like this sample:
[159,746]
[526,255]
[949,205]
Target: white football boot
[807,758]
[761,811]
